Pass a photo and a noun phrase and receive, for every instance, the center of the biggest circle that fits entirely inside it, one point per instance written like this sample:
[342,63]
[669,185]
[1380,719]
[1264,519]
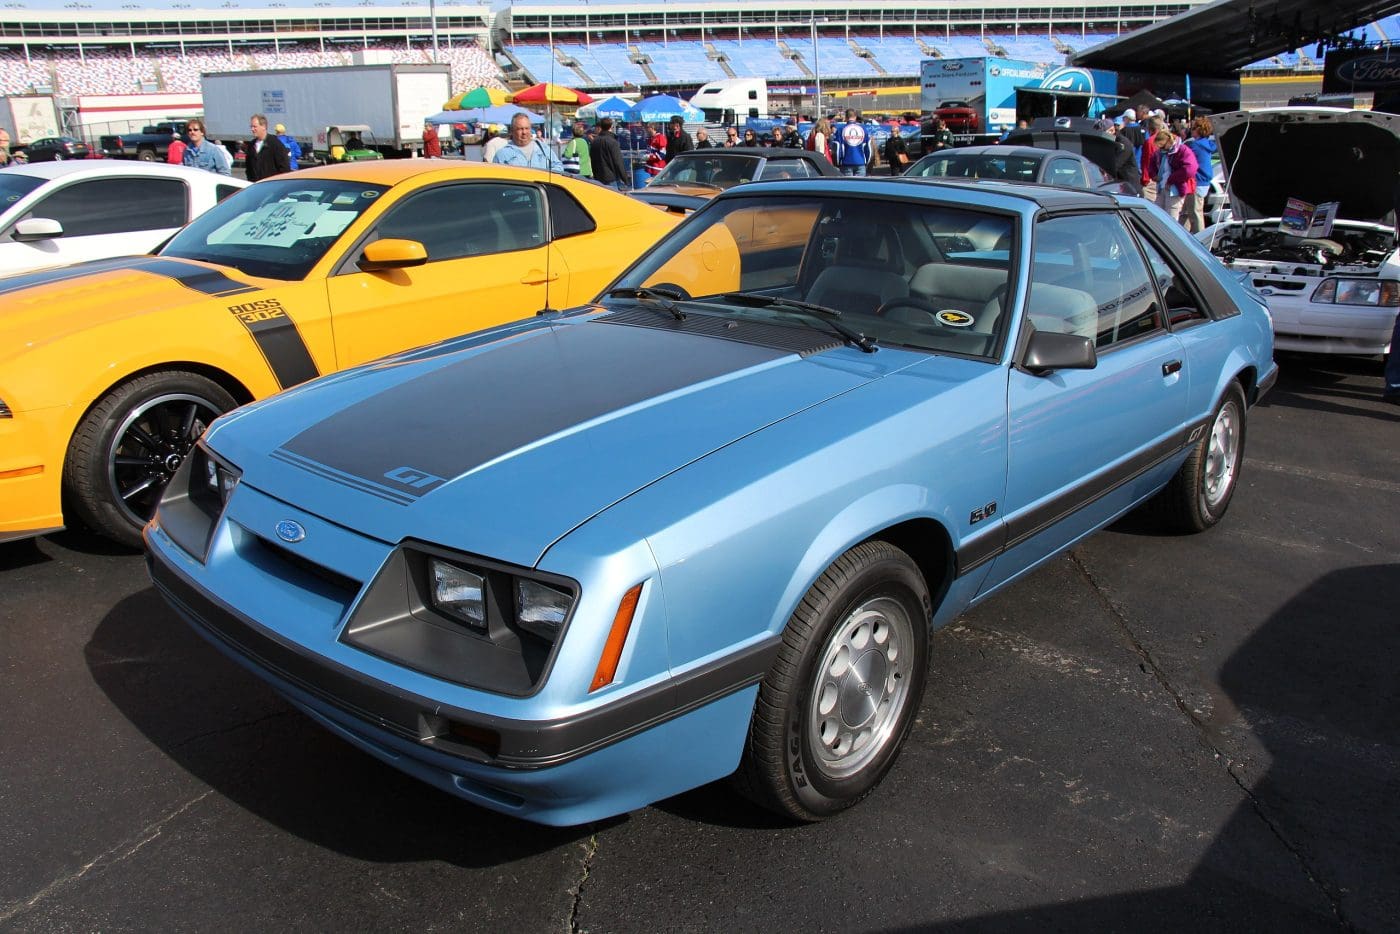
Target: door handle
[538,277]
[1170,367]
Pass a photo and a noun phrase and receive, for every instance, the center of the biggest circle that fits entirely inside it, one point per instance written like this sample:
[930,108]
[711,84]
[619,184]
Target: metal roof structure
[1221,38]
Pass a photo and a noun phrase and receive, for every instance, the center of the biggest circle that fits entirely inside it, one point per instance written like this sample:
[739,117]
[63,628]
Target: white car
[1329,291]
[55,213]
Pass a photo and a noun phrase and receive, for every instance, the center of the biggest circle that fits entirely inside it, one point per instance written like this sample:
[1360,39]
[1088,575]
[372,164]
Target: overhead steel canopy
[1221,38]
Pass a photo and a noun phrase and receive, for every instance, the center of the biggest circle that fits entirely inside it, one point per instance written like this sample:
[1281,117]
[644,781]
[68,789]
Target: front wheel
[834,710]
[129,445]
[1197,497]
[146,155]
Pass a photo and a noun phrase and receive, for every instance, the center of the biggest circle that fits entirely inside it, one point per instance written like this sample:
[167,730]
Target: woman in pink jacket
[1175,172]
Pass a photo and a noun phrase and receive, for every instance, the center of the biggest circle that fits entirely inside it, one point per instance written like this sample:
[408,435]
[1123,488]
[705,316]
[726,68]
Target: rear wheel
[1199,494]
[834,710]
[130,444]
[146,155]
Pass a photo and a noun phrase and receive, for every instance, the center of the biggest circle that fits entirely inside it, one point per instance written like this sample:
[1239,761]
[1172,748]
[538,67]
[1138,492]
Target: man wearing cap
[267,156]
[293,147]
[1125,167]
[1132,132]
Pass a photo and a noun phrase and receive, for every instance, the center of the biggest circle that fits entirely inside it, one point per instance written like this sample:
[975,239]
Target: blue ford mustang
[704,526]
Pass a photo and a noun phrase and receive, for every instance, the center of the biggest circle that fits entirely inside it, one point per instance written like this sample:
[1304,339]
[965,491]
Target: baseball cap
[1129,115]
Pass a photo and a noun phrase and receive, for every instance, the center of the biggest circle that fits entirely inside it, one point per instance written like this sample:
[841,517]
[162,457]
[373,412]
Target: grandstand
[89,47]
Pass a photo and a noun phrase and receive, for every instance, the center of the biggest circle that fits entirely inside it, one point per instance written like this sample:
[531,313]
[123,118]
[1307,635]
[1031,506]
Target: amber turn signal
[617,638]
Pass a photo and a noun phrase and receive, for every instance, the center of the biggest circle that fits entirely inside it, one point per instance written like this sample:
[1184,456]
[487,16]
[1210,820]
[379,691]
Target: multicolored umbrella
[477,97]
[552,94]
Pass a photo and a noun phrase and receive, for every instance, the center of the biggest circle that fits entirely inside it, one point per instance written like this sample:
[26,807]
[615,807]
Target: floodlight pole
[817,65]
[432,20]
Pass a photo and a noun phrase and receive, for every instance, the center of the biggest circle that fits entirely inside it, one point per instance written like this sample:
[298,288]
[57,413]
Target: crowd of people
[595,151]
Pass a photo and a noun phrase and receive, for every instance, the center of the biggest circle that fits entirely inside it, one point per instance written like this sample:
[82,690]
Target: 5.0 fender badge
[291,531]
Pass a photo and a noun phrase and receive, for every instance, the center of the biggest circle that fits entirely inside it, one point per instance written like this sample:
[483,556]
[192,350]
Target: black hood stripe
[277,339]
[197,278]
[447,419]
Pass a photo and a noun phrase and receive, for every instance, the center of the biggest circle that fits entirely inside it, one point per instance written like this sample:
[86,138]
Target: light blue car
[705,526]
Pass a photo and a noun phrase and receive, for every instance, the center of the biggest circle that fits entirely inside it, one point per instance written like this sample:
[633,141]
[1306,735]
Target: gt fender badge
[291,531]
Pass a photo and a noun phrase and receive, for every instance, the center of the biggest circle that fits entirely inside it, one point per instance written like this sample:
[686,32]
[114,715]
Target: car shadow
[21,554]
[1312,845]
[235,734]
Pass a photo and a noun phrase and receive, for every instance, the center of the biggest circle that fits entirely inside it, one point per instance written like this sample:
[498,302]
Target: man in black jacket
[267,156]
[677,139]
[606,156]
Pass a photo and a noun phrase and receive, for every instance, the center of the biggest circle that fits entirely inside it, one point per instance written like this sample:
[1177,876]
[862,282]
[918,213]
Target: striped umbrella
[551,94]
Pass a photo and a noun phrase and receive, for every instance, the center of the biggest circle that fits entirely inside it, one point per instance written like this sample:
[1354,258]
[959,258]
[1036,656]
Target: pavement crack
[590,850]
[231,728]
[124,850]
[1149,665]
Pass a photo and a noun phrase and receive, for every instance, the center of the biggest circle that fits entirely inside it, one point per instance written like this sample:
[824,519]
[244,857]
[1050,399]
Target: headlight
[459,593]
[195,499]
[541,609]
[1336,291]
[464,618]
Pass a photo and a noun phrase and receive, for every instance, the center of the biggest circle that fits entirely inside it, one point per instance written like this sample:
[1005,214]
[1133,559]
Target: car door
[101,217]
[488,262]
[1083,440]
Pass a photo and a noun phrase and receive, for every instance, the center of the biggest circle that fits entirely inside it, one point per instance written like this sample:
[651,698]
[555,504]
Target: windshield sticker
[369,194]
[282,223]
[344,197]
[954,318]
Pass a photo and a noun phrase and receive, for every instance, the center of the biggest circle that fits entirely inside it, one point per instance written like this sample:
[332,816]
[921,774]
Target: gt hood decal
[1318,154]
[38,307]
[502,447]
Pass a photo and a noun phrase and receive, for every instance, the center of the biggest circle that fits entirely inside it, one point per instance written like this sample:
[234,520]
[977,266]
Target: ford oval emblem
[290,531]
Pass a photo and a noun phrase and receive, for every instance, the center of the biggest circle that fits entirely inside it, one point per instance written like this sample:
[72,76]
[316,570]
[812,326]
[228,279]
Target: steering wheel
[950,318]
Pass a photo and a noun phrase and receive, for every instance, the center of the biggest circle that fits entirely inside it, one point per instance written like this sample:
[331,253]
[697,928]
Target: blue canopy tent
[615,107]
[501,113]
[664,107]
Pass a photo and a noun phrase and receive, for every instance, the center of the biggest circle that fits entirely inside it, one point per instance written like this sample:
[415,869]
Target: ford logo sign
[290,531]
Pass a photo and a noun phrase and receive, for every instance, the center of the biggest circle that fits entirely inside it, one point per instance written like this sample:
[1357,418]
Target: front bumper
[31,475]
[565,770]
[1311,327]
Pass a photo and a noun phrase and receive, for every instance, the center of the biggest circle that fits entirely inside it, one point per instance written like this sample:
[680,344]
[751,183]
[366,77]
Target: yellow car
[110,370]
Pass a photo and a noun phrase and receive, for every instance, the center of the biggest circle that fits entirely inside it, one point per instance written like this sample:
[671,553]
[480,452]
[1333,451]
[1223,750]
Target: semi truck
[29,117]
[979,99]
[391,101]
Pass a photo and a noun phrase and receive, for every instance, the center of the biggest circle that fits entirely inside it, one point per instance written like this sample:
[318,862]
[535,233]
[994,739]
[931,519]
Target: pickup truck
[150,145]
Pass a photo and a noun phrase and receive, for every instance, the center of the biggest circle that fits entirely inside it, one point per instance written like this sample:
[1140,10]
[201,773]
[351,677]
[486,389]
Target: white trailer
[28,118]
[392,100]
[732,100]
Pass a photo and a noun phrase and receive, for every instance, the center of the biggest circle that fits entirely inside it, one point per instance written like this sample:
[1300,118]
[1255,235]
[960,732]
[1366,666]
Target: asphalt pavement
[1153,732]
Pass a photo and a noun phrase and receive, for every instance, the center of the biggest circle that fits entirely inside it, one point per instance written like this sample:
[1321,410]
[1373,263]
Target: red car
[959,117]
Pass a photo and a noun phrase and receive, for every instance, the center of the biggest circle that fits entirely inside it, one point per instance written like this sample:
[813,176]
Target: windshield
[14,186]
[917,274]
[277,229]
[976,165]
[719,171]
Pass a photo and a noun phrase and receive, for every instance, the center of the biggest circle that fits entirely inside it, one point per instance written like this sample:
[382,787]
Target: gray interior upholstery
[856,289]
[1063,311]
[947,285]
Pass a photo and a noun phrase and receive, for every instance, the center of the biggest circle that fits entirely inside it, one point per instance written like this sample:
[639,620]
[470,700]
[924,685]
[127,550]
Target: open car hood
[1317,154]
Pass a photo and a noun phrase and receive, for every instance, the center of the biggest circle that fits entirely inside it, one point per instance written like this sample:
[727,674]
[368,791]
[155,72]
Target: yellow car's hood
[38,308]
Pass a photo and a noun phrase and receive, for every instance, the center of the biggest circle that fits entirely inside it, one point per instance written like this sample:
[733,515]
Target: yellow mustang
[110,370]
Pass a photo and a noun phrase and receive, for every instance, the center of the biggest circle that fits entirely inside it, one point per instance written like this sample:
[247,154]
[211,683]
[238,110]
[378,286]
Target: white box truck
[392,101]
[29,117]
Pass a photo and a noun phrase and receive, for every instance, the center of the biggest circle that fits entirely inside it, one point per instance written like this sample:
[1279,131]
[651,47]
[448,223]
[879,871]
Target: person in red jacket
[176,154]
[432,143]
[656,156]
[1150,128]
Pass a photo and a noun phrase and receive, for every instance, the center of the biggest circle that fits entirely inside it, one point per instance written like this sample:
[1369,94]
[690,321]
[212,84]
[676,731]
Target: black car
[1018,164]
[692,178]
[56,149]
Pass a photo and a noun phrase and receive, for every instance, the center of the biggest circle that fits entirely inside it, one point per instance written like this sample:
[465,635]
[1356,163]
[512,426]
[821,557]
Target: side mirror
[36,228]
[392,253]
[1047,351]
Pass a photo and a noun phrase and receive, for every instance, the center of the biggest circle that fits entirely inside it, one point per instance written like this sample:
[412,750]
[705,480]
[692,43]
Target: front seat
[860,279]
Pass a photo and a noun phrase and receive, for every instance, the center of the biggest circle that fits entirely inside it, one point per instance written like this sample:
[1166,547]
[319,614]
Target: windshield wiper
[812,310]
[663,298]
